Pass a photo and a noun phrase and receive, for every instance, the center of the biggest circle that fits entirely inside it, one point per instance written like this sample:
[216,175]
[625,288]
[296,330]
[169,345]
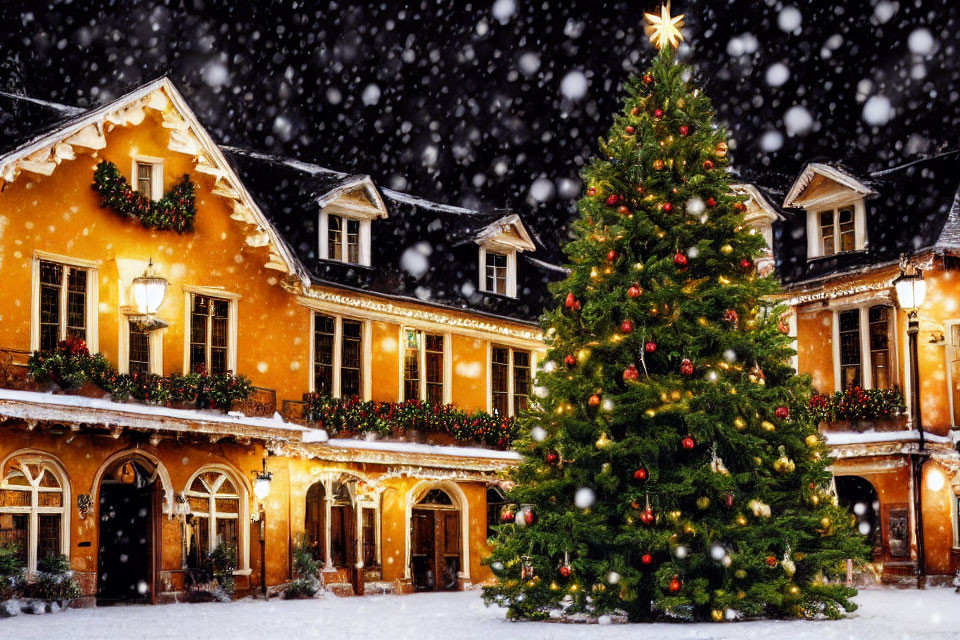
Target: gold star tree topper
[663,29]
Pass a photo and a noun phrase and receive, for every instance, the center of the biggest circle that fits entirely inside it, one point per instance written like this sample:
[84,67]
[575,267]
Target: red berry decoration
[679,259]
[711,202]
[612,200]
[675,584]
[650,347]
[552,458]
[708,164]
[782,412]
[687,443]
[626,326]
[565,571]
[684,129]
[612,255]
[591,191]
[631,373]
[647,78]
[771,561]
[746,263]
[507,516]
[646,558]
[668,207]
[528,517]
[686,367]
[640,474]
[658,113]
[647,516]
[570,360]
[629,129]
[570,301]
[634,291]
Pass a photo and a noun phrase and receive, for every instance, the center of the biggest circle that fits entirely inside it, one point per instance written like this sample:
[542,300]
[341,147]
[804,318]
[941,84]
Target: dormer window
[496,272]
[837,231]
[343,239]
[499,244]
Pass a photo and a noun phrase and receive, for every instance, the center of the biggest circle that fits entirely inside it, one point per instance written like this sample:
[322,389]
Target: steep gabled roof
[831,172]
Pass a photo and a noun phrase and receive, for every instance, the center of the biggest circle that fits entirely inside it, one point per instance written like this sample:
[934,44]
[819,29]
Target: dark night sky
[474,103]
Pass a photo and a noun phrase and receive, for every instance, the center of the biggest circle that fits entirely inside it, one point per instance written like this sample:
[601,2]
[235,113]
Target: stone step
[340,589]
[372,575]
[379,587]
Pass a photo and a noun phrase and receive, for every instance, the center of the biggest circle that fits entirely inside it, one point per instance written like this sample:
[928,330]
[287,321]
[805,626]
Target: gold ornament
[740,574]
[812,440]
[726,249]
[766,425]
[603,441]
[658,164]
[717,615]
[583,355]
[703,502]
[741,520]
[663,29]
[721,149]
[740,424]
[789,567]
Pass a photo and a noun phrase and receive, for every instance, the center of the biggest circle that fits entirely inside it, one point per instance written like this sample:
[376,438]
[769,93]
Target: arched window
[496,498]
[215,501]
[33,508]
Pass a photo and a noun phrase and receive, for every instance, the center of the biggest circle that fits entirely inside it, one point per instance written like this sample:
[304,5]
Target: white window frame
[950,349]
[233,317]
[511,254]
[243,515]
[34,510]
[955,498]
[814,240]
[866,364]
[156,177]
[92,268]
[511,391]
[363,239]
[155,339]
[447,371]
[365,355]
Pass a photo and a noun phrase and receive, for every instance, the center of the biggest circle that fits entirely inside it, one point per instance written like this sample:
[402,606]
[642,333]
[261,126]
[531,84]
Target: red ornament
[650,347]
[686,367]
[591,191]
[570,301]
[647,78]
[640,188]
[711,202]
[731,316]
[647,516]
[629,129]
[746,263]
[675,584]
[565,571]
[634,291]
[668,207]
[771,561]
[507,516]
[612,255]
[594,400]
[684,129]
[528,517]
[708,164]
[687,443]
[631,373]
[626,326]
[679,259]
[612,200]
[728,500]
[634,111]
[552,458]
[658,113]
[782,412]
[640,474]
[570,360]
[646,558]
[624,210]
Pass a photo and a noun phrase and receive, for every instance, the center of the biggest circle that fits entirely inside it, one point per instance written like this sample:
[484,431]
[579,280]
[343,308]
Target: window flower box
[857,409]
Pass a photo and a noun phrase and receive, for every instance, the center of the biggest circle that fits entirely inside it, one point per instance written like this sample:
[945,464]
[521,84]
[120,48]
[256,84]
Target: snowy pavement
[933,614]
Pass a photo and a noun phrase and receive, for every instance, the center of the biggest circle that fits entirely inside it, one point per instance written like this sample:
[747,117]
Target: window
[63,304]
[139,354]
[510,376]
[146,176]
[956,521]
[836,230]
[496,499]
[209,328]
[496,270]
[423,366]
[863,351]
[343,239]
[33,509]
[214,502]
[339,356]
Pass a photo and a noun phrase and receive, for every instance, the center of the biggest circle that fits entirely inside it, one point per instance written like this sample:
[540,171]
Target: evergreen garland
[175,211]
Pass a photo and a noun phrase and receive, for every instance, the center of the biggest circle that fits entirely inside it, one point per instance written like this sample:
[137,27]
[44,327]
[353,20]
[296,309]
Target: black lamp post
[261,489]
[911,291]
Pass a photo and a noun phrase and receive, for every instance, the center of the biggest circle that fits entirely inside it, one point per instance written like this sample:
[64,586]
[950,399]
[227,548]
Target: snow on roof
[836,439]
[832,172]
[423,449]
[64,108]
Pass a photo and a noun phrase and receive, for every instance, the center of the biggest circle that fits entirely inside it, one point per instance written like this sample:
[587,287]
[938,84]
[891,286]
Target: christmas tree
[670,470]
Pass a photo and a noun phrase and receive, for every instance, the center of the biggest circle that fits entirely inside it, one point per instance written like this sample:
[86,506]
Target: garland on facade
[71,365]
[175,211]
[856,404]
[387,419]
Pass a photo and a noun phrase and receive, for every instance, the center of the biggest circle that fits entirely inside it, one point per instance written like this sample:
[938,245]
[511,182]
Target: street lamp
[261,489]
[149,290]
[911,291]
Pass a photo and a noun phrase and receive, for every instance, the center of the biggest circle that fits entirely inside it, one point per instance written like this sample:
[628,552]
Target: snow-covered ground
[933,614]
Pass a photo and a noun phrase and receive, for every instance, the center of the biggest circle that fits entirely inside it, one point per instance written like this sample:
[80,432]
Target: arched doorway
[130,498]
[330,523]
[435,552]
[858,495]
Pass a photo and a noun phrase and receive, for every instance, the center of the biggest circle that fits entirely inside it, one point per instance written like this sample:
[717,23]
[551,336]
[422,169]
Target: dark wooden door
[315,511]
[435,550]
[423,550]
[448,550]
[126,565]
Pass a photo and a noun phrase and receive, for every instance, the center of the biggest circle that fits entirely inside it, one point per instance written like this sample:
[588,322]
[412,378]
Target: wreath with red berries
[175,211]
